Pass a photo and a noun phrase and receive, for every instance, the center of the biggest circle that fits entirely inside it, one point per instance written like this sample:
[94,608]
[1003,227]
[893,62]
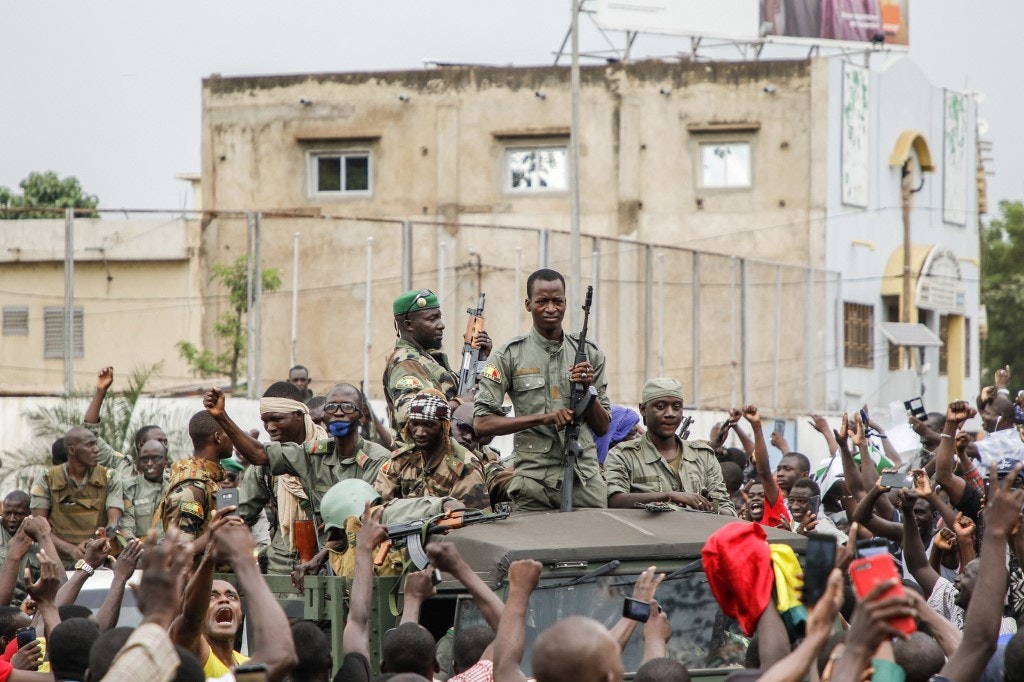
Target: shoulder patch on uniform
[409,381]
[491,372]
[192,509]
[385,467]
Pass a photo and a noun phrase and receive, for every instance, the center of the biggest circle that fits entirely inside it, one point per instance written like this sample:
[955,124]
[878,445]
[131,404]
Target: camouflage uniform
[76,511]
[191,497]
[636,466]
[495,474]
[141,498]
[535,373]
[31,560]
[409,370]
[457,474]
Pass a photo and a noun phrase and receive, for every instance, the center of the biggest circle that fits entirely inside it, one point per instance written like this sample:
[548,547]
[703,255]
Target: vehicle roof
[594,536]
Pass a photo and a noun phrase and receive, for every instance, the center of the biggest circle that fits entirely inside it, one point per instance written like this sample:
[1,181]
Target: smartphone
[26,636]
[915,408]
[780,426]
[251,672]
[435,577]
[228,497]
[867,572]
[872,547]
[896,480]
[813,504]
[864,416]
[821,558]
[637,610]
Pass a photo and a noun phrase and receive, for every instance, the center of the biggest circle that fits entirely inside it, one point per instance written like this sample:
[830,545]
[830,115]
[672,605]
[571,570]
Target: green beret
[411,301]
[661,388]
[232,464]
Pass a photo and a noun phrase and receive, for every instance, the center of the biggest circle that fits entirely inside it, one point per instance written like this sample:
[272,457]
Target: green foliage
[230,327]
[120,417]
[46,190]
[1002,288]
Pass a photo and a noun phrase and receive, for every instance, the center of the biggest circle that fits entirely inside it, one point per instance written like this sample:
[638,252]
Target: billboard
[855,143]
[851,21]
[732,19]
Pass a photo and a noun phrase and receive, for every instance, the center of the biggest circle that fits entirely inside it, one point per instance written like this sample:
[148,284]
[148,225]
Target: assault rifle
[579,402]
[469,375]
[413,535]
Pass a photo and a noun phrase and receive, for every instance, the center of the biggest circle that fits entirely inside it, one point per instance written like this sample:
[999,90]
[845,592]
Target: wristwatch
[80,565]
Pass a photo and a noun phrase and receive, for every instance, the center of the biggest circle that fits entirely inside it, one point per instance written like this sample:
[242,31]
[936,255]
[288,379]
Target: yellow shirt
[215,668]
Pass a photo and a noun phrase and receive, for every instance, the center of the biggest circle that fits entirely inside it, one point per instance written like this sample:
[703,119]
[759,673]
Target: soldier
[16,516]
[78,497]
[432,464]
[660,466]
[143,492]
[495,473]
[192,493]
[418,361]
[318,464]
[537,372]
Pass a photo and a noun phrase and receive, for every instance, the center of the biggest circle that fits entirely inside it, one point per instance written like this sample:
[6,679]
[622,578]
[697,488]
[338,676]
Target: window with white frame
[53,333]
[536,169]
[340,172]
[725,165]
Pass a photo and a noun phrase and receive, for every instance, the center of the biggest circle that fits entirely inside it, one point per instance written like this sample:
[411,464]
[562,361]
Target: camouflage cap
[412,301]
[662,387]
[344,499]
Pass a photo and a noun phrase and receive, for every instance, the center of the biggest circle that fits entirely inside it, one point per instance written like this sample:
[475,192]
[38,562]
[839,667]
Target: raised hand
[128,559]
[524,574]
[104,379]
[647,584]
[858,436]
[371,533]
[959,411]
[28,657]
[922,486]
[213,401]
[96,551]
[44,589]
[752,416]
[1002,377]
[418,584]
[164,565]
[964,527]
[1002,510]
[945,539]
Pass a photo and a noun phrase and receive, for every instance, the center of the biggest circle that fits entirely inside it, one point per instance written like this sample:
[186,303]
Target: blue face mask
[340,429]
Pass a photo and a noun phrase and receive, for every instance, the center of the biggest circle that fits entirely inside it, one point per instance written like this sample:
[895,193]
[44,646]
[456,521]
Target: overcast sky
[110,91]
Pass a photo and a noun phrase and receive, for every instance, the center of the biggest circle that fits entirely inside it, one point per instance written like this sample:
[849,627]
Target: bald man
[577,649]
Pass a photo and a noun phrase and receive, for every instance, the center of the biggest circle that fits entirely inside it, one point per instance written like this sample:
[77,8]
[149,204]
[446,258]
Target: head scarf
[623,421]
[430,405]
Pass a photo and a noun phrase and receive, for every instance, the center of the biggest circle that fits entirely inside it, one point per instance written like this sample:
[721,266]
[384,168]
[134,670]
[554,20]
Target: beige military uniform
[409,370]
[636,466]
[76,511]
[457,474]
[534,372]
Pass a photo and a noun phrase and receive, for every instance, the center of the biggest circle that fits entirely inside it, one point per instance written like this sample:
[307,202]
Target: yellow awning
[892,280]
[901,152]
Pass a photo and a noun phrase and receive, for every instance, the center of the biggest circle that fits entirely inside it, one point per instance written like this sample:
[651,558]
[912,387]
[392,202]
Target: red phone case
[867,572]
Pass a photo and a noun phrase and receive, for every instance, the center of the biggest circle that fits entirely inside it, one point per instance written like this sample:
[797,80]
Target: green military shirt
[457,474]
[636,466]
[31,560]
[111,458]
[409,370]
[141,498]
[319,467]
[534,372]
[255,493]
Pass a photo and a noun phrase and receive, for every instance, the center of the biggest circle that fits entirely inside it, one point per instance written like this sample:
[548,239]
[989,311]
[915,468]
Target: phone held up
[821,557]
[228,497]
[868,572]
[915,408]
[26,636]
[635,609]
[895,479]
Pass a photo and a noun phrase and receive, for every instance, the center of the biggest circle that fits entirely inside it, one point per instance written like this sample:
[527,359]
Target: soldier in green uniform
[496,474]
[143,491]
[537,372]
[35,534]
[418,361]
[433,464]
[78,497]
[318,464]
[660,466]
[192,494]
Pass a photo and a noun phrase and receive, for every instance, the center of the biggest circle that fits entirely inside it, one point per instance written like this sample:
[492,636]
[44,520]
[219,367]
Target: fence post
[257,358]
[406,255]
[809,355]
[695,328]
[745,331]
[648,311]
[69,300]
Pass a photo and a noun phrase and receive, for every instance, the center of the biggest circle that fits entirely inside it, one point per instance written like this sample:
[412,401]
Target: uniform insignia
[491,372]
[385,467]
[409,381]
[192,509]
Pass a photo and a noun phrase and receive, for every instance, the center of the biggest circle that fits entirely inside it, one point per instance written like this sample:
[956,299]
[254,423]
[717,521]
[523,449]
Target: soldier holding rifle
[537,371]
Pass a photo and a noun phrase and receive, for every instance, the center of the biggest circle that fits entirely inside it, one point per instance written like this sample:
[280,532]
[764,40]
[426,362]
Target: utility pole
[574,174]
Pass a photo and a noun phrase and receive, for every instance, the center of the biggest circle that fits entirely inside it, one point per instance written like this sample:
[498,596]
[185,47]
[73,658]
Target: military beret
[232,464]
[412,301]
[662,387]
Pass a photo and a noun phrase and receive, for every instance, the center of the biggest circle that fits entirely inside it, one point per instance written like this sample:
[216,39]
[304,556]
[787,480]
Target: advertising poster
[855,136]
[851,21]
[954,160]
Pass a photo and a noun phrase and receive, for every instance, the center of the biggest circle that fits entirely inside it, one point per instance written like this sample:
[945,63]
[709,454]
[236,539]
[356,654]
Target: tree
[46,190]
[230,327]
[1002,287]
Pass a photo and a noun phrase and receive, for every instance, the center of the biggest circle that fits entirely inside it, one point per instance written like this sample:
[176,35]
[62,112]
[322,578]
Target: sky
[109,91]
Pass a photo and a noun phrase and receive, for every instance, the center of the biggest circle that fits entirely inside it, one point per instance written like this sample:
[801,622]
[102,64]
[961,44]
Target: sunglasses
[344,408]
[419,301]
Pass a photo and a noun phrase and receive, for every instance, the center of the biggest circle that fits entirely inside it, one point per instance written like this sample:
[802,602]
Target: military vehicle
[591,559]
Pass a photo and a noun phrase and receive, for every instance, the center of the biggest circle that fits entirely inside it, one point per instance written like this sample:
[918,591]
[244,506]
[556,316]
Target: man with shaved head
[144,491]
[577,649]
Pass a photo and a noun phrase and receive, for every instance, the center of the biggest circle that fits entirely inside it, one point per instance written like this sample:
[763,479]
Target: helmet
[345,499]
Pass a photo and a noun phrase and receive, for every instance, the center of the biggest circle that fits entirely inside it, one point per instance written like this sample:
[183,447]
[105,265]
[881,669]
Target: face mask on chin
[340,429]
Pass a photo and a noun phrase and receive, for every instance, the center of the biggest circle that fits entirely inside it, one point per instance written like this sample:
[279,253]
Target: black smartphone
[896,479]
[435,577]
[813,504]
[915,408]
[228,497]
[26,636]
[780,426]
[821,557]
[872,547]
[637,610]
[251,672]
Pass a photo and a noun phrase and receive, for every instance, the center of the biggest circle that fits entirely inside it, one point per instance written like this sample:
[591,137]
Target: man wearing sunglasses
[418,363]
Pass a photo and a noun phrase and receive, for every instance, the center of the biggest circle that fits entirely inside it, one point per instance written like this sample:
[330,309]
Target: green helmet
[345,499]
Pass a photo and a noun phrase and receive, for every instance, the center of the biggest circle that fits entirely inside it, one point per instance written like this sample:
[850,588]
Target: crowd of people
[317,497]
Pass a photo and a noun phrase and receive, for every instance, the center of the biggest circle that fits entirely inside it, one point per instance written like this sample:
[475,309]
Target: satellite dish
[983,126]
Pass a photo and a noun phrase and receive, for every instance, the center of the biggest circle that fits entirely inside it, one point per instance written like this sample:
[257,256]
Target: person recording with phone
[805,505]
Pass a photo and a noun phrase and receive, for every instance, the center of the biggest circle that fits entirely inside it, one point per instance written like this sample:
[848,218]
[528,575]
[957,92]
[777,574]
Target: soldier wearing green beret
[662,467]
[417,362]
